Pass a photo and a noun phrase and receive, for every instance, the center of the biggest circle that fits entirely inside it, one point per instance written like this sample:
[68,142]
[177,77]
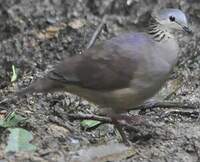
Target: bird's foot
[122,133]
[125,121]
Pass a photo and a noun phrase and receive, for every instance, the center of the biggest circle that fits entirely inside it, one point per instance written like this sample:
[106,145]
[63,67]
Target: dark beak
[186,29]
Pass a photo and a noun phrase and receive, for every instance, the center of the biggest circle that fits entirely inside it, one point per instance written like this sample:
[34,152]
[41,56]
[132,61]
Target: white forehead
[178,14]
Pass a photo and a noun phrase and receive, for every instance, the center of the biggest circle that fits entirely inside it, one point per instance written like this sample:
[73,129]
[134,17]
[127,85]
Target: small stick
[166,105]
[193,114]
[97,32]
[102,119]
[8,98]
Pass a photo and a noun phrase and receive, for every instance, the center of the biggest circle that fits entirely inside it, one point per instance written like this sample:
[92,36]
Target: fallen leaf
[11,120]
[76,23]
[89,123]
[18,140]
[51,31]
[14,74]
[57,131]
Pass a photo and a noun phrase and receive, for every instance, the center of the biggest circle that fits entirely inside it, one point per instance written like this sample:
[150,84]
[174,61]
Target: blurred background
[37,34]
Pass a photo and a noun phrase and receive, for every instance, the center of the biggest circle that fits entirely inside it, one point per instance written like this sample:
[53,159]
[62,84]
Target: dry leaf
[57,131]
[51,31]
[76,23]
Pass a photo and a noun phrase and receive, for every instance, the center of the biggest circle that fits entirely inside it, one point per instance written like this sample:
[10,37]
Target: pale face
[173,19]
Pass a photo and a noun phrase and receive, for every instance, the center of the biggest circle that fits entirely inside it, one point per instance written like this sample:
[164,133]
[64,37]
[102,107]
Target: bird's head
[172,19]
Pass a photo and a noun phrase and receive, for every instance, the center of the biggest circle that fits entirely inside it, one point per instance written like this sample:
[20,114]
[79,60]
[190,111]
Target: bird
[122,72]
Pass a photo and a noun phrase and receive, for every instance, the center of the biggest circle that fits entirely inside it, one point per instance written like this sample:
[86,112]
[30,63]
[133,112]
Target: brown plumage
[122,72]
[118,73]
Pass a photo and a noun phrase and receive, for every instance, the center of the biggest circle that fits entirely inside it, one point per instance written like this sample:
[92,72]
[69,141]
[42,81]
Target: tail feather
[41,85]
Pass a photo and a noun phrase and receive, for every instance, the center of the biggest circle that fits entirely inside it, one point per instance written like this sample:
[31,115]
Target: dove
[122,72]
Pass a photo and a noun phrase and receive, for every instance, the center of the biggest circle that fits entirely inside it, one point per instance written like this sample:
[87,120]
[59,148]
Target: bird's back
[120,72]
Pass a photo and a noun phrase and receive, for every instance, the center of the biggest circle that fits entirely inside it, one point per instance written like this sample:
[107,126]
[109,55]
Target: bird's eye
[172,18]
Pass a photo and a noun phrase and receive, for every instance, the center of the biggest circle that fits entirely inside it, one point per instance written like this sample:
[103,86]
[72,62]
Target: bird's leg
[126,121]
[115,122]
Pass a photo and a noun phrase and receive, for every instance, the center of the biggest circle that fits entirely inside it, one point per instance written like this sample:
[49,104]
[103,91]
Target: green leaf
[11,120]
[14,74]
[89,123]
[18,140]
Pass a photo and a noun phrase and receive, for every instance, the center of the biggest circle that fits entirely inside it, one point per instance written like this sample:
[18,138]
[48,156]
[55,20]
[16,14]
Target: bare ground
[35,35]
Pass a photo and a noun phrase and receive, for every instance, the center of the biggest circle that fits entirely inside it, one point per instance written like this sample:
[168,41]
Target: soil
[37,34]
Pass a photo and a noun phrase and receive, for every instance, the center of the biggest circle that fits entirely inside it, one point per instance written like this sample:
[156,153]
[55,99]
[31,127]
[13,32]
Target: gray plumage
[122,72]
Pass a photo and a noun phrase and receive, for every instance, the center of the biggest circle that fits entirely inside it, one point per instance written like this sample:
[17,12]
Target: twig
[97,32]
[8,98]
[193,114]
[166,105]
[102,119]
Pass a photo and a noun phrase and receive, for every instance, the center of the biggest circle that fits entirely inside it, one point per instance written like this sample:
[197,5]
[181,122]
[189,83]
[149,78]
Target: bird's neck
[157,31]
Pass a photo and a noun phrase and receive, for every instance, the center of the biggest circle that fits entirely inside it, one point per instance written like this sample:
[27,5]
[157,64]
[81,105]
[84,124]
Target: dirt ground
[37,34]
